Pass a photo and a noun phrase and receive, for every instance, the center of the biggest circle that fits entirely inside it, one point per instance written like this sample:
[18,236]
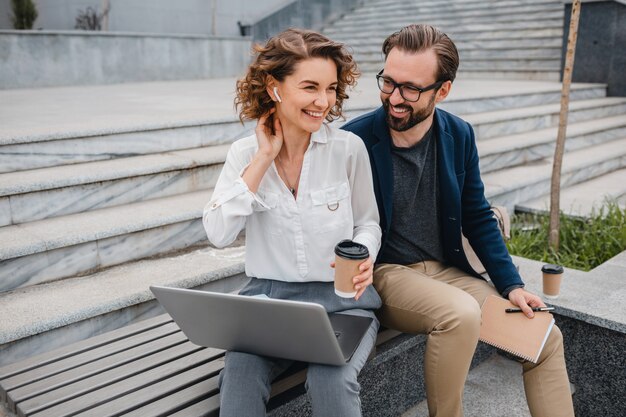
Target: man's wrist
[508,289]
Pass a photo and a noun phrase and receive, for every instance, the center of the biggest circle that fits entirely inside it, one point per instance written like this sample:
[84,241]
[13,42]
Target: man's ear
[443,91]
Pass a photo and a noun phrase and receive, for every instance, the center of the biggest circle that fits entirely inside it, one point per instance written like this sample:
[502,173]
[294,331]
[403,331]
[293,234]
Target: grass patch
[584,242]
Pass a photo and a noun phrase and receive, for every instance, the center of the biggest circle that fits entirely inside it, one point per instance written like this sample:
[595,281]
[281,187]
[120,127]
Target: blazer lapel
[449,187]
[381,152]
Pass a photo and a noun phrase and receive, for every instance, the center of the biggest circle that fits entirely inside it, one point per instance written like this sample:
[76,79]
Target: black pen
[519,310]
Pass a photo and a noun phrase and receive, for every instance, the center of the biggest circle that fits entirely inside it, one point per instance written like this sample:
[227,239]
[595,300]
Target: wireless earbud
[276,95]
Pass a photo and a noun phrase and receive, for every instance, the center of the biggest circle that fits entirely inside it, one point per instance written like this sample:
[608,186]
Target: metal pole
[555,187]
[105,16]
[213,17]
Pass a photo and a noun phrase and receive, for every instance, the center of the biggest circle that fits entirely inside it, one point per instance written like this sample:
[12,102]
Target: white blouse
[291,239]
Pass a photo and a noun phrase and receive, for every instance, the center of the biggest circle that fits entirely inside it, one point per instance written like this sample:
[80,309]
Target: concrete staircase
[102,187]
[496,39]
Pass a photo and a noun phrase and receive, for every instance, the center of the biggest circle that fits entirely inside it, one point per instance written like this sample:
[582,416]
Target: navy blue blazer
[461,190]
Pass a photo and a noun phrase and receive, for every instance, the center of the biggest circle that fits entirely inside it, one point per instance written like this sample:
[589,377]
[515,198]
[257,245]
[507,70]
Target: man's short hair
[418,38]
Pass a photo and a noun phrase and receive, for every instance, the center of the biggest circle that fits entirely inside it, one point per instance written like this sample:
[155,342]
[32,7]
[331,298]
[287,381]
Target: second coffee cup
[552,275]
[348,256]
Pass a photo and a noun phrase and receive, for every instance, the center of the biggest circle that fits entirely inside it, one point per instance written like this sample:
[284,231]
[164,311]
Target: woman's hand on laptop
[365,278]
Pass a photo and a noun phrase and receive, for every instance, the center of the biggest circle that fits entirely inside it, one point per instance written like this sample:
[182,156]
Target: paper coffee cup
[348,256]
[552,276]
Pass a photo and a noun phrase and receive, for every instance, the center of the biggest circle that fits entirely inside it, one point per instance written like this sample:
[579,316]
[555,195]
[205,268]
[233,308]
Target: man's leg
[546,383]
[245,383]
[415,301]
[334,390]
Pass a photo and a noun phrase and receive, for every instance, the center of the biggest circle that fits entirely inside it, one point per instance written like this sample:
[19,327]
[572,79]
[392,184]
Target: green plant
[585,242]
[24,14]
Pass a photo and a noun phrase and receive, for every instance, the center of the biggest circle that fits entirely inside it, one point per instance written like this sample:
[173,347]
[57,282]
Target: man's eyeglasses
[407,91]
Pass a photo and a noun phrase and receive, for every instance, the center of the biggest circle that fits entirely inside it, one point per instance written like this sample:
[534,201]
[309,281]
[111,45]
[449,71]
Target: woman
[299,187]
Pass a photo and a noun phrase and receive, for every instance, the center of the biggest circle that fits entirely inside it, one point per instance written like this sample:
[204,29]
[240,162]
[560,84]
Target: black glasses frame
[402,86]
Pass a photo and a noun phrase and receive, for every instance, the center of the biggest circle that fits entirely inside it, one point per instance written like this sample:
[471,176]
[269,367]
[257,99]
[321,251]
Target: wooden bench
[145,369]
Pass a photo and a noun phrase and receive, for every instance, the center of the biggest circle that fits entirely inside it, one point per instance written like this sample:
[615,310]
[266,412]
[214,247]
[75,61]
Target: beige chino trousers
[444,303]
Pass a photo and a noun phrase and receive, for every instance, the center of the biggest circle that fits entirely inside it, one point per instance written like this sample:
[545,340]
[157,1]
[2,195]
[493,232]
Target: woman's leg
[334,390]
[245,383]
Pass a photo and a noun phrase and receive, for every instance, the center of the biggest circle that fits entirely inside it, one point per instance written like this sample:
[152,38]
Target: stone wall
[601,43]
[47,58]
[596,366]
[201,17]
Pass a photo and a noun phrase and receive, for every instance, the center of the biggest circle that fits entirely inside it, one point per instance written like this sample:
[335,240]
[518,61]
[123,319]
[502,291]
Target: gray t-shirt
[414,235]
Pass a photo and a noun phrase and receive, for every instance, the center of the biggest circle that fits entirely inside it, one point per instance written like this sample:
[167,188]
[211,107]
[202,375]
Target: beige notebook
[514,332]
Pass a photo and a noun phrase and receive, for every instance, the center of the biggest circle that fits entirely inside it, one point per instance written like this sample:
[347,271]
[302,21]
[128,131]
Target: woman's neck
[295,144]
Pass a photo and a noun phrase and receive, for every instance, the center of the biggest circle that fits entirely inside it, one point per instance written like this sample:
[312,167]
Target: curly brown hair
[279,57]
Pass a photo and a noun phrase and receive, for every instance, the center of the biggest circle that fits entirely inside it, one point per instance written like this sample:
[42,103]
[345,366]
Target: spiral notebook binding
[508,350]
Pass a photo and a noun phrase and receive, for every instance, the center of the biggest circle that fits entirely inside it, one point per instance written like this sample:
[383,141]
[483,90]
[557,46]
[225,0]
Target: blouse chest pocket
[331,208]
[270,216]
[270,199]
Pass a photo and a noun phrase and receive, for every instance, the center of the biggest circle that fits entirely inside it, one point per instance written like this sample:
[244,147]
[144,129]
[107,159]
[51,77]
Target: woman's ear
[272,89]
[276,95]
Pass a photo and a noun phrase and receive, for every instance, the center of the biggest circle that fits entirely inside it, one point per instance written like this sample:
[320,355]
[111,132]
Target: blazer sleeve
[480,227]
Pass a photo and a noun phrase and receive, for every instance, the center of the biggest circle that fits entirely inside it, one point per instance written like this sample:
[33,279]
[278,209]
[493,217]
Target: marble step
[78,244]
[50,192]
[513,52]
[43,317]
[451,7]
[493,124]
[485,64]
[436,18]
[61,148]
[450,10]
[66,125]
[477,96]
[582,199]
[524,148]
[465,46]
[512,186]
[512,74]
[383,7]
[555,30]
[56,135]
[515,27]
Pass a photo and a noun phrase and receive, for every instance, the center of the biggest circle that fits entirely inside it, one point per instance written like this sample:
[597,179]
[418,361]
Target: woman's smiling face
[307,95]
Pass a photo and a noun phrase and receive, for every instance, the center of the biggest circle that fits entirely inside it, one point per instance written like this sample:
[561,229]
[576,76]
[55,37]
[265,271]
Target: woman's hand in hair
[269,134]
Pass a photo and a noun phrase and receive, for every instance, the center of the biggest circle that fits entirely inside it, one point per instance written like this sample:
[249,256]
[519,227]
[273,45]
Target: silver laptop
[264,326]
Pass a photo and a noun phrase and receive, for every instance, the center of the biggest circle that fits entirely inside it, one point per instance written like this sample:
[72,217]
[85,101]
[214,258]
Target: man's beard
[415,116]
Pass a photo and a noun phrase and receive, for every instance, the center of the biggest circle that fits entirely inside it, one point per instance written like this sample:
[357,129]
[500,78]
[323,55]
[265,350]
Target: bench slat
[182,399]
[84,387]
[88,357]
[87,344]
[128,385]
[148,367]
[159,391]
[96,367]
[209,407]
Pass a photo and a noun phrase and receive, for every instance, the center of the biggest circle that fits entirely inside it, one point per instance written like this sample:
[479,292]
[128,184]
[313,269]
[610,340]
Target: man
[428,188]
